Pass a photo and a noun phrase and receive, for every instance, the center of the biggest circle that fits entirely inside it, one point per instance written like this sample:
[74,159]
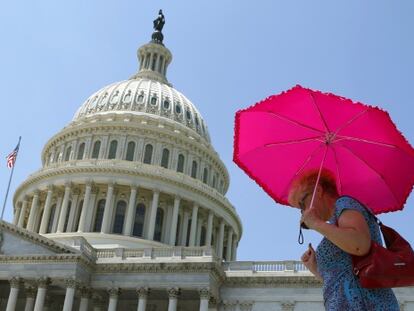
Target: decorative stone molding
[273,281]
[15,282]
[71,283]
[143,292]
[229,305]
[173,292]
[43,282]
[114,292]
[204,293]
[287,305]
[30,291]
[245,305]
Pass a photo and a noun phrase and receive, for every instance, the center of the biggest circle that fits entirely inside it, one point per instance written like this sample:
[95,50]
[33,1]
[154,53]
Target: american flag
[11,158]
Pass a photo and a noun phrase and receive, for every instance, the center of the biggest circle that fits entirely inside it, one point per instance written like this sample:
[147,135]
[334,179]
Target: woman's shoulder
[348,203]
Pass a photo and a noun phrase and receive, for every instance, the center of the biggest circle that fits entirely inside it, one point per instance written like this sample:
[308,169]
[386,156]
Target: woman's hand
[311,218]
[309,260]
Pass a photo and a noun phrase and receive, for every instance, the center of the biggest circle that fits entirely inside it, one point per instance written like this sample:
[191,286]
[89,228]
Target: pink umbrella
[301,129]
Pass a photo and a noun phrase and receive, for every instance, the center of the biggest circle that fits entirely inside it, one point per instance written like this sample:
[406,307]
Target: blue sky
[227,55]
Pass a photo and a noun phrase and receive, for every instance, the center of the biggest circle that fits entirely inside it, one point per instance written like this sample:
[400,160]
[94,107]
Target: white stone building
[128,212]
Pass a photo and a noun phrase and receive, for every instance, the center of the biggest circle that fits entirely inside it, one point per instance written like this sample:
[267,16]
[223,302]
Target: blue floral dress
[341,289]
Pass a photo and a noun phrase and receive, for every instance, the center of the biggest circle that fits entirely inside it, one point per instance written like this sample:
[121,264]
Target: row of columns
[37,302]
[86,217]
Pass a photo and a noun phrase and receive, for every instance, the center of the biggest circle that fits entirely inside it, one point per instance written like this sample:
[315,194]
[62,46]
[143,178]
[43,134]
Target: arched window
[180,163]
[139,220]
[203,236]
[194,169]
[99,215]
[96,148]
[158,224]
[67,154]
[65,227]
[165,157]
[148,154]
[51,219]
[130,151]
[154,60]
[214,180]
[112,149]
[119,217]
[178,231]
[81,151]
[77,217]
[205,175]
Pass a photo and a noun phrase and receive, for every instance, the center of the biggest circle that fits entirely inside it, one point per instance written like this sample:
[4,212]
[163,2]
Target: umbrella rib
[370,167]
[320,113]
[341,137]
[350,121]
[308,159]
[289,120]
[337,170]
[290,142]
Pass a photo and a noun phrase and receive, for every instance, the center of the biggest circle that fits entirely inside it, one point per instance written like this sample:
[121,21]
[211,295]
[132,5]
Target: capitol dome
[134,168]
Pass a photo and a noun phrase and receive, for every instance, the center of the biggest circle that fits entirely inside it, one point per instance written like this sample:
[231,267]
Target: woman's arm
[351,234]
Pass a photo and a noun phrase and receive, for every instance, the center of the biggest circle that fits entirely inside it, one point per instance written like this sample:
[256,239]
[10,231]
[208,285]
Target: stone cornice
[47,259]
[140,169]
[273,281]
[36,238]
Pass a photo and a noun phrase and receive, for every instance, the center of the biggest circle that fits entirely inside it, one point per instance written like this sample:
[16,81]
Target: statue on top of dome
[159,22]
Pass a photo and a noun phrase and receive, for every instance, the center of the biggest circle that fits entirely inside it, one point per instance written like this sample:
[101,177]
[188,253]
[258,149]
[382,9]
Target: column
[73,210]
[209,233]
[17,214]
[142,298]
[30,298]
[64,209]
[23,213]
[193,225]
[84,211]
[113,298]
[130,214]
[153,214]
[70,295]
[221,240]
[185,228]
[57,213]
[174,220]
[198,234]
[229,244]
[14,293]
[41,293]
[204,298]
[46,211]
[33,211]
[234,249]
[172,298]
[106,222]
[85,296]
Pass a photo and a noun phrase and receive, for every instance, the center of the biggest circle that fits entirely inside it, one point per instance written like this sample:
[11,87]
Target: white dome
[141,95]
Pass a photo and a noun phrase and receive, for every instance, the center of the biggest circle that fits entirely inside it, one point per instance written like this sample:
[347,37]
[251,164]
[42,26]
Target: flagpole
[8,186]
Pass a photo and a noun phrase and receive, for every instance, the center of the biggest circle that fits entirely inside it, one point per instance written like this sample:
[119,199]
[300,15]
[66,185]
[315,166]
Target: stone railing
[156,253]
[265,266]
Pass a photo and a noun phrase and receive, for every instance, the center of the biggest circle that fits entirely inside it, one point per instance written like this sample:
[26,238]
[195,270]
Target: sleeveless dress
[341,289]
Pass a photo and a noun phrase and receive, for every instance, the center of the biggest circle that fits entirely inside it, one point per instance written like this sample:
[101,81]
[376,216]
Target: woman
[347,229]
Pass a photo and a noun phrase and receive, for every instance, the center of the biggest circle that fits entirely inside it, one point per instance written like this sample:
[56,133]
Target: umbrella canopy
[301,129]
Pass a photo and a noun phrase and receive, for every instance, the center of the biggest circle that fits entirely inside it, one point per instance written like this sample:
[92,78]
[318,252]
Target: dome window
[130,151]
[99,216]
[177,108]
[67,155]
[96,148]
[153,101]
[140,98]
[188,114]
[165,158]
[112,149]
[180,164]
[159,219]
[139,220]
[205,175]
[166,104]
[148,154]
[194,169]
[196,120]
[81,151]
[119,217]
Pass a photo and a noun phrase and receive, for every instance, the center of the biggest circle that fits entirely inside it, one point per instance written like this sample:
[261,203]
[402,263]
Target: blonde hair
[307,181]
